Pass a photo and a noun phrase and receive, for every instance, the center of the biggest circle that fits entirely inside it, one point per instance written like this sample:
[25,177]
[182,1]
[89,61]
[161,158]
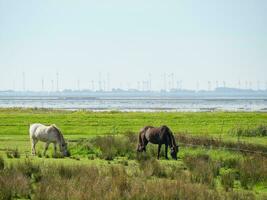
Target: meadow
[223,155]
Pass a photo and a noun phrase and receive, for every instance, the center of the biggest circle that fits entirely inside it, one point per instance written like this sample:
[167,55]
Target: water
[137,104]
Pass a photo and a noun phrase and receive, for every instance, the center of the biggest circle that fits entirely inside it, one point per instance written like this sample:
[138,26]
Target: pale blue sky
[201,41]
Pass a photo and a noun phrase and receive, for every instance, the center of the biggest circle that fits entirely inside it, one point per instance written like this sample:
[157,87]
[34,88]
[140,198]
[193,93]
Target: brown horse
[160,135]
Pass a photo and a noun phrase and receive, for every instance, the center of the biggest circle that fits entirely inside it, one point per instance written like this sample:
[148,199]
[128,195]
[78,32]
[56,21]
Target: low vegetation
[259,131]
[149,179]
[105,147]
[13,153]
[128,175]
[16,121]
[214,162]
[210,142]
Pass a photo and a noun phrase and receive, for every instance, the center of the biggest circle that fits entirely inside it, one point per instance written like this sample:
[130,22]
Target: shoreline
[141,110]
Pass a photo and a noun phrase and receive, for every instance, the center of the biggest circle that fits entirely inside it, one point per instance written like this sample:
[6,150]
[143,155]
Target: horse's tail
[32,129]
[141,144]
[140,137]
[142,131]
[30,132]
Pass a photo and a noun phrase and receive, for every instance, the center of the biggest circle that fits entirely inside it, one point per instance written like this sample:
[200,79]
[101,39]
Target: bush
[107,147]
[114,146]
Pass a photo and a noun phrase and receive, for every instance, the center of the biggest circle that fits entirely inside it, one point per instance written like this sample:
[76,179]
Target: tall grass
[208,142]
[203,169]
[259,131]
[249,170]
[151,167]
[252,170]
[227,179]
[109,182]
[13,153]
[14,184]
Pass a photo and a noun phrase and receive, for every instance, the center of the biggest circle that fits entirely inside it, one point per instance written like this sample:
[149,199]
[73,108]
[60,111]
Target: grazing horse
[160,135]
[48,134]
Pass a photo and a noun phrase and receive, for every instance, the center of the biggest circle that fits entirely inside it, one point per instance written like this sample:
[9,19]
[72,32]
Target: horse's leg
[55,148]
[46,147]
[145,143]
[33,146]
[166,151]
[159,150]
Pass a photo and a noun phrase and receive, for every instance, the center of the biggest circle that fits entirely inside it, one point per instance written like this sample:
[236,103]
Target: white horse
[47,134]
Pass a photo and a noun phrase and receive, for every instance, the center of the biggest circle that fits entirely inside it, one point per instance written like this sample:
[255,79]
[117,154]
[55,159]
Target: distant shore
[138,104]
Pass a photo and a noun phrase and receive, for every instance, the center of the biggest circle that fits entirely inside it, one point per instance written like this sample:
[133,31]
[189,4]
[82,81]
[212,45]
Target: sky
[125,43]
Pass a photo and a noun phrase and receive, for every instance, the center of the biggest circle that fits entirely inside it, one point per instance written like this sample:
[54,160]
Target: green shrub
[114,146]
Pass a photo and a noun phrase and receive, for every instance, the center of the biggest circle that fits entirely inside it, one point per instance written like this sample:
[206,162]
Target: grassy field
[104,158]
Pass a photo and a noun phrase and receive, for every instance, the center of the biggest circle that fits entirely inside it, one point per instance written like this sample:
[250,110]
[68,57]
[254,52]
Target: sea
[136,104]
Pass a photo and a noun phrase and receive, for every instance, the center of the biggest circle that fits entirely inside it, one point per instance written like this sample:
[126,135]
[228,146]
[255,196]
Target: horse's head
[174,151]
[64,149]
[140,148]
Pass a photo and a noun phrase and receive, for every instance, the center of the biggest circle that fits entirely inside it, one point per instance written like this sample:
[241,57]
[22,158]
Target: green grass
[16,121]
[14,125]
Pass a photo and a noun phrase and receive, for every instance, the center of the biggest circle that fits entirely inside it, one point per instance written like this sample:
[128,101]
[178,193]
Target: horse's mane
[59,133]
[170,135]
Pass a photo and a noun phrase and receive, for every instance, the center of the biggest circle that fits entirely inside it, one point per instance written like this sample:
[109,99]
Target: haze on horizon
[126,42]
